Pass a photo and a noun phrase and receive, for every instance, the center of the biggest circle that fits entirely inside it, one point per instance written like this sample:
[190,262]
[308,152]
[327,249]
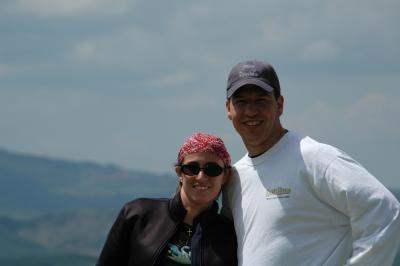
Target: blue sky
[126,81]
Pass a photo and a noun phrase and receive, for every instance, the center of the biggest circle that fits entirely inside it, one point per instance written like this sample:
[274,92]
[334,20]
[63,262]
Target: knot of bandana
[200,142]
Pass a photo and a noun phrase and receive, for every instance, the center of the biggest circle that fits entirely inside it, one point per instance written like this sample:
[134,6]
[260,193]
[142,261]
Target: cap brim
[241,83]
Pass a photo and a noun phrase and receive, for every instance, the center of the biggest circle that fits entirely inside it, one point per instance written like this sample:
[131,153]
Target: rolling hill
[58,212]
[38,185]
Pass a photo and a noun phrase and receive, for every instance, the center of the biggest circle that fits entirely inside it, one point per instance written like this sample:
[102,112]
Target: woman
[184,230]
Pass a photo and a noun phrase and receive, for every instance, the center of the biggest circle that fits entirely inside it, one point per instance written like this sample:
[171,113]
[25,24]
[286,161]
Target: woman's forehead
[202,157]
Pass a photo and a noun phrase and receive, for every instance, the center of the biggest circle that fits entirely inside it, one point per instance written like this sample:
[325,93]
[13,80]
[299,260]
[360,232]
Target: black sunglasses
[210,169]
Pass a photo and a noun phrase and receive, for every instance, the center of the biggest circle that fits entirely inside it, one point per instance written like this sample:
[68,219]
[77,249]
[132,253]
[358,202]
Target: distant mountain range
[58,212]
[35,184]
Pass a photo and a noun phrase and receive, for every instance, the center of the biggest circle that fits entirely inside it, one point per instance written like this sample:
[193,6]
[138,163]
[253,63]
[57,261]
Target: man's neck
[275,139]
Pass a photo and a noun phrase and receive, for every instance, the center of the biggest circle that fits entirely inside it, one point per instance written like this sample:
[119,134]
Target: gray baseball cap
[253,72]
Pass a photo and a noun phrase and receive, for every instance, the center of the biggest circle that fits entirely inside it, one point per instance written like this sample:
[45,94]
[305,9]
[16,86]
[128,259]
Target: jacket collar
[176,208]
[178,212]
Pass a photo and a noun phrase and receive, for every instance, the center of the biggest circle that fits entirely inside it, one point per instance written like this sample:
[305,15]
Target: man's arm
[373,211]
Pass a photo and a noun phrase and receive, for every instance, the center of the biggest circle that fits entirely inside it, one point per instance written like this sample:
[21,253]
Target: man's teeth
[252,123]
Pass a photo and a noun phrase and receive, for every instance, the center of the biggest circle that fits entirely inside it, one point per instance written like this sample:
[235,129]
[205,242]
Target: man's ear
[228,108]
[280,101]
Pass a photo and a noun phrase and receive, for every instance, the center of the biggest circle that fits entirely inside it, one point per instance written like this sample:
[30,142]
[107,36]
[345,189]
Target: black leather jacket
[144,226]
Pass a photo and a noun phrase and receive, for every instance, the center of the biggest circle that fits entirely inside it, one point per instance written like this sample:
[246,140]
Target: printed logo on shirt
[180,255]
[278,193]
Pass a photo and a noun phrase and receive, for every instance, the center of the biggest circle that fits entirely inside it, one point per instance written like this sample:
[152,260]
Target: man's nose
[251,108]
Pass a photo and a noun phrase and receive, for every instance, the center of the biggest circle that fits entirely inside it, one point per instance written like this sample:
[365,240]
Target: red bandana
[200,142]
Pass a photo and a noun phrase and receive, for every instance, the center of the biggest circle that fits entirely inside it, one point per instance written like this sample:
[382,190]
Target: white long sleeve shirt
[308,203]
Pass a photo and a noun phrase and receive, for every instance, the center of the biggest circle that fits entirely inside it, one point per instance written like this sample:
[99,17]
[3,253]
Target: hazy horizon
[126,82]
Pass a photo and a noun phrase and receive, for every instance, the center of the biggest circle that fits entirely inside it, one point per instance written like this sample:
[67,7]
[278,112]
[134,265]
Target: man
[296,201]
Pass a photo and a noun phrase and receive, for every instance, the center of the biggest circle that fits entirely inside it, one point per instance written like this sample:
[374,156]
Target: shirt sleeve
[229,192]
[374,213]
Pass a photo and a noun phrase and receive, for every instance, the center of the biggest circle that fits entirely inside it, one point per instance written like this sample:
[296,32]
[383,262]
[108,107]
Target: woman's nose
[201,175]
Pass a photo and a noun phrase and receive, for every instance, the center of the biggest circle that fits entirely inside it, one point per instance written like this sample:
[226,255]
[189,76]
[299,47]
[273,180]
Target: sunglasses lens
[190,169]
[212,169]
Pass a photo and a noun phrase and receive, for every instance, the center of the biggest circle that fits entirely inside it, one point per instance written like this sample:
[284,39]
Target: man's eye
[239,101]
[261,101]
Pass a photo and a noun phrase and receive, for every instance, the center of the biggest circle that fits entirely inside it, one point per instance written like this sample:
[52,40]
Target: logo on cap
[248,71]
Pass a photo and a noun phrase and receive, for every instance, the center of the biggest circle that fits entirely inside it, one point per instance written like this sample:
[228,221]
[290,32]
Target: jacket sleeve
[374,213]
[115,249]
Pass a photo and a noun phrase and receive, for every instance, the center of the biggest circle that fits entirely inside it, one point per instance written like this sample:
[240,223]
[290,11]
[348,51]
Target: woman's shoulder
[142,205]
[146,201]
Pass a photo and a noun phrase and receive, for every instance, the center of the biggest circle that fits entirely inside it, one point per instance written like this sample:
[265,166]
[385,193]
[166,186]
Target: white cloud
[50,8]
[12,70]
[283,31]
[85,50]
[199,11]
[191,102]
[178,78]
[274,32]
[4,70]
[322,30]
[319,51]
[129,47]
[372,114]
[368,116]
